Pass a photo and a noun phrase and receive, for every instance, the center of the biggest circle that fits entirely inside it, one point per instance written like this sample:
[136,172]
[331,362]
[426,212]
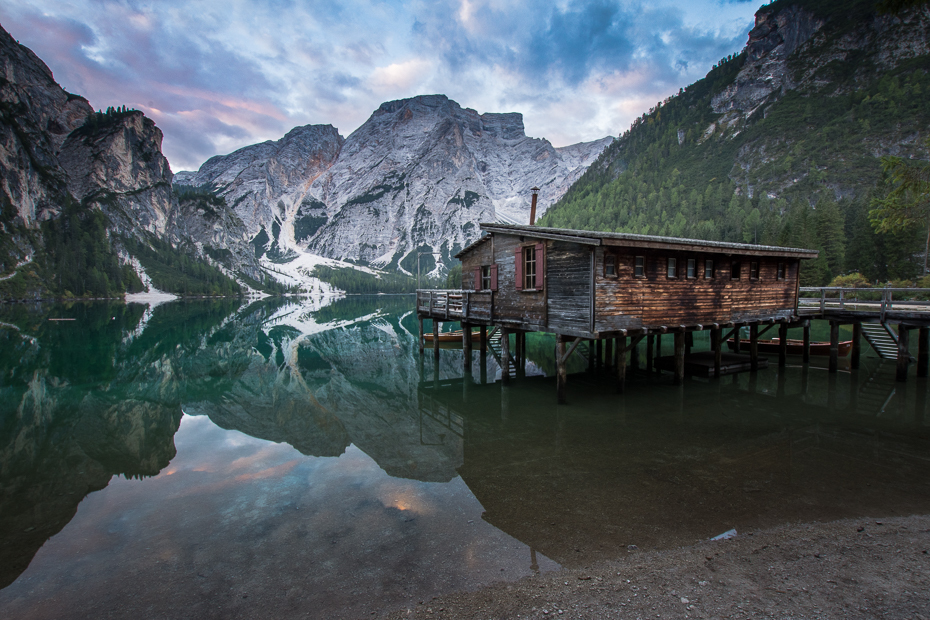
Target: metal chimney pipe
[535,191]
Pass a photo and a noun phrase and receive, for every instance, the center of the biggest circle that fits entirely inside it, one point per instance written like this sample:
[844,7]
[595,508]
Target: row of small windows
[691,268]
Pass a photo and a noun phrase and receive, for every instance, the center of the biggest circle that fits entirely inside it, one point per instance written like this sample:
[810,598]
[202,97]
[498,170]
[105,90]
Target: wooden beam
[572,349]
[782,345]
[483,339]
[718,351]
[650,344]
[561,372]
[834,346]
[436,339]
[923,351]
[422,339]
[466,345]
[505,355]
[621,365]
[736,343]
[754,347]
[806,347]
[904,356]
[679,358]
[856,346]
[767,328]
[609,353]
[599,355]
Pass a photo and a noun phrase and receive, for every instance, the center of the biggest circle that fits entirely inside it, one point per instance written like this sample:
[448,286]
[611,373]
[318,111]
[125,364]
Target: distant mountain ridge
[416,177]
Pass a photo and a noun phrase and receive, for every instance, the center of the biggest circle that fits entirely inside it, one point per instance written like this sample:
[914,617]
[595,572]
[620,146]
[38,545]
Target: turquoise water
[284,458]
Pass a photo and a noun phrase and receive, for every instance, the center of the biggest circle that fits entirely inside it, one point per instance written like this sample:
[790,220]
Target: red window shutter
[477,278]
[518,268]
[493,277]
[539,265]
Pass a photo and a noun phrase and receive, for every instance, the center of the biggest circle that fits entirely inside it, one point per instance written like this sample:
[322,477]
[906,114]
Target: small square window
[639,267]
[692,268]
[709,269]
[735,268]
[672,268]
[610,265]
[781,271]
[753,271]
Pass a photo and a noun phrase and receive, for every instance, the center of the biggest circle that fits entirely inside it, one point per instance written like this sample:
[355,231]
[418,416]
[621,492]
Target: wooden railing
[864,299]
[454,304]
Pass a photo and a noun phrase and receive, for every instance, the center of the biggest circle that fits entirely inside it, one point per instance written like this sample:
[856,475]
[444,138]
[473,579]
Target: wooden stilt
[650,345]
[806,352]
[753,347]
[856,352]
[904,356]
[736,334]
[435,338]
[658,353]
[923,351]
[505,355]
[679,358]
[634,358]
[561,372]
[834,346]
[609,352]
[483,339]
[718,350]
[621,364]
[599,355]
[420,321]
[466,345]
[590,355]
[782,346]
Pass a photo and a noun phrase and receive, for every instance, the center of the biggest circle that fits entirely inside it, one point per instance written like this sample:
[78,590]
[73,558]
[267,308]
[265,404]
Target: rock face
[55,150]
[418,175]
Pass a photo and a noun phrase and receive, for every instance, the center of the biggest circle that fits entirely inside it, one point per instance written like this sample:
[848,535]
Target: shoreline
[852,568]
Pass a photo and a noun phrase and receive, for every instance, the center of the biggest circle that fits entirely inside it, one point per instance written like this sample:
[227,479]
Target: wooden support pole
[505,355]
[634,357]
[466,345]
[834,346]
[736,343]
[561,372]
[650,345]
[679,358]
[420,321]
[904,357]
[435,338]
[590,355]
[718,350]
[609,353]
[782,345]
[621,364]
[856,346]
[600,353]
[658,354]
[754,347]
[923,351]
[806,347]
[518,349]
[483,339]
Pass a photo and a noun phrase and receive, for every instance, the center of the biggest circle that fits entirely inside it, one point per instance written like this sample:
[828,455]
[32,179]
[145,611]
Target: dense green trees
[177,271]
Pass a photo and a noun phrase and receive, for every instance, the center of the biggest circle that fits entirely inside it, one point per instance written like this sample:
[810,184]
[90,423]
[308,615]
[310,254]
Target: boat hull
[795,347]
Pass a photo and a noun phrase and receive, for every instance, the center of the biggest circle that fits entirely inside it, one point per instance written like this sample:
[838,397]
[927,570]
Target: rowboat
[455,336]
[795,347]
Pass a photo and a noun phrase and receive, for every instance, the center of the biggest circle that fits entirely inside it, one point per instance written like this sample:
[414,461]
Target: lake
[280,458]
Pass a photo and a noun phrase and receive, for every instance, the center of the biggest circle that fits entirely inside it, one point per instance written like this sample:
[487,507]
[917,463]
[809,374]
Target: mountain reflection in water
[280,457]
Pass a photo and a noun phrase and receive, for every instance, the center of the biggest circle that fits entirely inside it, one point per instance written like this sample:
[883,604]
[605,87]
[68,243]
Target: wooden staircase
[883,339]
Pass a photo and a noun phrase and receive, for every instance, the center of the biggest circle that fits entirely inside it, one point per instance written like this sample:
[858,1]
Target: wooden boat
[455,336]
[795,347]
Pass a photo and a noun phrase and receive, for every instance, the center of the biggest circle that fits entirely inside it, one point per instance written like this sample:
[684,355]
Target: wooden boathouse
[616,289]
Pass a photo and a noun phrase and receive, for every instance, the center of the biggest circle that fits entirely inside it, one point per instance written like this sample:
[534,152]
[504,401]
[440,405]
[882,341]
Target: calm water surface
[220,459]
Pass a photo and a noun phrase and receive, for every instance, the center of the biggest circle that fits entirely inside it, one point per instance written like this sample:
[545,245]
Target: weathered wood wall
[526,307]
[625,301]
[568,282]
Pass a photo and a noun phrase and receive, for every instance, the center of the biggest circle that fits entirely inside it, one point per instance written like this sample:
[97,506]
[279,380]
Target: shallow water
[216,459]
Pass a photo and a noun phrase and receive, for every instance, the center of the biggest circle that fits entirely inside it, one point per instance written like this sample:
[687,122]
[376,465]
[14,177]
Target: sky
[217,75]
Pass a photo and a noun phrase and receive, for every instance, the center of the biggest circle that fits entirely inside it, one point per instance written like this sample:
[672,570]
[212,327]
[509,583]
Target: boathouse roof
[595,238]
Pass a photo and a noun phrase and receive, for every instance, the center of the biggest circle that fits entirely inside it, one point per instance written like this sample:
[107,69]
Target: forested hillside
[780,144]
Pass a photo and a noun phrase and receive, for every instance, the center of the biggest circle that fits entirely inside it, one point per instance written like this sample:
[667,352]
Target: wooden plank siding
[568,279]
[629,302]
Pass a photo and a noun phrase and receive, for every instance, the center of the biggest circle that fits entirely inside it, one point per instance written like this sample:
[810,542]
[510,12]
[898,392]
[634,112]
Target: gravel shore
[855,568]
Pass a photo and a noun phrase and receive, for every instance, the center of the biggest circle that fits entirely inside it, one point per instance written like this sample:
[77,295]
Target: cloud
[220,74]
